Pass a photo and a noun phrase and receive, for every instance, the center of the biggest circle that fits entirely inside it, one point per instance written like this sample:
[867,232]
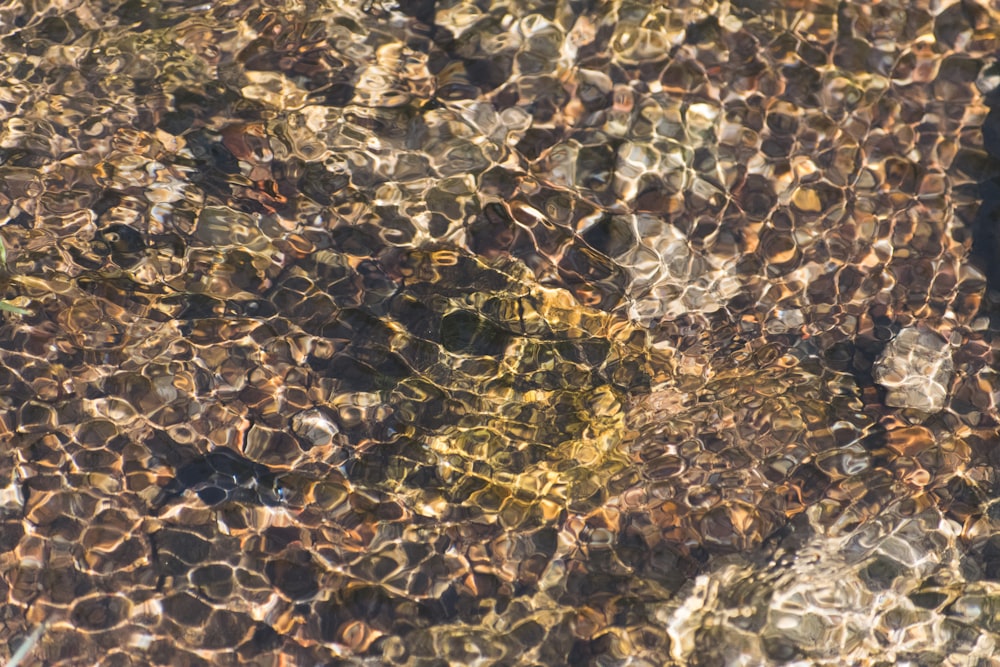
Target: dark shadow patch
[222,475]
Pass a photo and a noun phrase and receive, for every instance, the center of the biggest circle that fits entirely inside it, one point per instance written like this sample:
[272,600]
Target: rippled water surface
[499,332]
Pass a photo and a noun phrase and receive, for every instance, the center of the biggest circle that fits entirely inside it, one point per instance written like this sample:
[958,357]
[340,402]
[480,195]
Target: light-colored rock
[916,369]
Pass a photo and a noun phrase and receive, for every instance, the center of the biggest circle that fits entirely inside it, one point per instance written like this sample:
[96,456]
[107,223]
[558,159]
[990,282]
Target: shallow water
[499,333]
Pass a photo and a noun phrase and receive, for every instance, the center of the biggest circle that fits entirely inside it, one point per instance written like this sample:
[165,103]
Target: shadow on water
[986,226]
[222,475]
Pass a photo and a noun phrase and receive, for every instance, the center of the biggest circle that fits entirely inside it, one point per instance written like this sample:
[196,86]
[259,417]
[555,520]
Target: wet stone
[295,578]
[99,613]
[916,369]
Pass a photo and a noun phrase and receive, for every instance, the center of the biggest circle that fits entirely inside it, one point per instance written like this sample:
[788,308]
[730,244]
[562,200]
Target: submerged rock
[916,370]
[498,332]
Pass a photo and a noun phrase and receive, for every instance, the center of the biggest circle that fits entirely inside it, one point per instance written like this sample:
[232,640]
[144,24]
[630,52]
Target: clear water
[499,333]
